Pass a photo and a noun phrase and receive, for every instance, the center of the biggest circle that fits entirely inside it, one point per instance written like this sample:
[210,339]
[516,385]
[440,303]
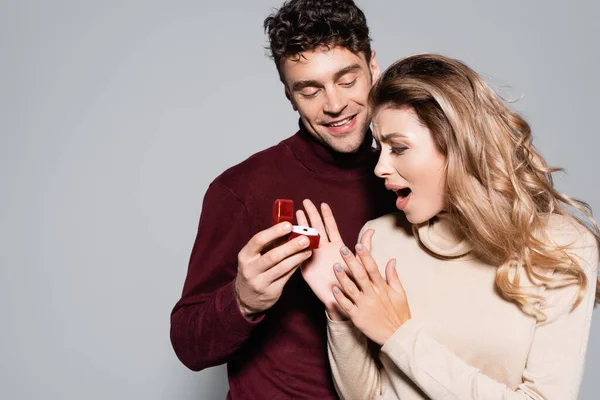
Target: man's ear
[374,67]
[289,97]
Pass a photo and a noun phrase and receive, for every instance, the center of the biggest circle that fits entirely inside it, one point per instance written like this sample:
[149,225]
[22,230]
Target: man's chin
[342,143]
[346,145]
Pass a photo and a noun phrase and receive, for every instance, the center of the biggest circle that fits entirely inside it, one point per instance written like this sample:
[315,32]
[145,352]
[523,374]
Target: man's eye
[348,84]
[308,95]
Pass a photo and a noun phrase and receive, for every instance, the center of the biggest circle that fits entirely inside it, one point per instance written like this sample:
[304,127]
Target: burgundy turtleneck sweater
[282,355]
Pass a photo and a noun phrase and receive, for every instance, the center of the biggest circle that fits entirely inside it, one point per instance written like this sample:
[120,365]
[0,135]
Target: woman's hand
[376,307]
[316,271]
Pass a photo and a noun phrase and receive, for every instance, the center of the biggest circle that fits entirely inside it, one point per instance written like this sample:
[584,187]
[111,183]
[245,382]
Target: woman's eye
[398,150]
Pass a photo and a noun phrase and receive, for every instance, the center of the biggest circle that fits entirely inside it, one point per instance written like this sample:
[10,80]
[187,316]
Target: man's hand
[263,273]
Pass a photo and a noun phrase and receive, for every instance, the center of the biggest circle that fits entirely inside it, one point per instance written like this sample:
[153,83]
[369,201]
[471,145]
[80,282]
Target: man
[242,303]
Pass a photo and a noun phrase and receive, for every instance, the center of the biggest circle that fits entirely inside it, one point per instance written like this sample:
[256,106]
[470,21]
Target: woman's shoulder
[393,235]
[390,223]
[391,230]
[577,239]
[565,230]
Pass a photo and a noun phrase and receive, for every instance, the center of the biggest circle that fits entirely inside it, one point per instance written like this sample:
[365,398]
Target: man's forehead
[322,62]
[320,51]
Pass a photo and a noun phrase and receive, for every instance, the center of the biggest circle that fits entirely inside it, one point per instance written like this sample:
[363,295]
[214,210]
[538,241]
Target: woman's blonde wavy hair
[498,187]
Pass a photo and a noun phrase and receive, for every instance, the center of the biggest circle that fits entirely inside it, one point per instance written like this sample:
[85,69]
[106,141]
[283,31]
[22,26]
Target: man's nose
[335,103]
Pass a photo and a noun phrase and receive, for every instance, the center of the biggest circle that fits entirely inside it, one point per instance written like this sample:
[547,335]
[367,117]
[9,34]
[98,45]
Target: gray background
[116,115]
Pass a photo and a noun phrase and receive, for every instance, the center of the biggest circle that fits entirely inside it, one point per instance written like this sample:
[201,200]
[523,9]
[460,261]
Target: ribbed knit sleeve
[207,326]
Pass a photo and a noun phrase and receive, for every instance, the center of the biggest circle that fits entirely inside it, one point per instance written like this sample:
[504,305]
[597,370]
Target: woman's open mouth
[403,197]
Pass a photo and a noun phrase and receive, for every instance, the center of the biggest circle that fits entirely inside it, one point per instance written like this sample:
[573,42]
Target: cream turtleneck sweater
[464,340]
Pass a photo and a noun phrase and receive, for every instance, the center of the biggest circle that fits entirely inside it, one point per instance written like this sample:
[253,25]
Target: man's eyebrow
[345,70]
[299,85]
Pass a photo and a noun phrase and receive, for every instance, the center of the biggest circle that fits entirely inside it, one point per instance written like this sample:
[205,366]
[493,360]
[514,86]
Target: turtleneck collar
[322,159]
[437,236]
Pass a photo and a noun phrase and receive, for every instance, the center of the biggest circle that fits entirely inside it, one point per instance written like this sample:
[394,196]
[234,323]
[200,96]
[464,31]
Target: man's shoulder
[255,168]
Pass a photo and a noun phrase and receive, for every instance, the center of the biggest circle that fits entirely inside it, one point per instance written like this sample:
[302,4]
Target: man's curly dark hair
[302,25]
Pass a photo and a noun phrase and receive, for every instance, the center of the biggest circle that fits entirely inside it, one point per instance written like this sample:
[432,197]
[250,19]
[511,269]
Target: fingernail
[338,267]
[308,253]
[303,241]
[287,226]
[359,247]
[345,251]
[394,263]
[336,290]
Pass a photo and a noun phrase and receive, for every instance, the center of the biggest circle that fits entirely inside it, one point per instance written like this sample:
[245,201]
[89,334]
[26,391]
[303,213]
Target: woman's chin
[417,219]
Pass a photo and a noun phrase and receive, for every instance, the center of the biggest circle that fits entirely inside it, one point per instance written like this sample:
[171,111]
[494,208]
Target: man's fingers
[315,219]
[280,253]
[271,245]
[286,268]
[255,246]
[330,224]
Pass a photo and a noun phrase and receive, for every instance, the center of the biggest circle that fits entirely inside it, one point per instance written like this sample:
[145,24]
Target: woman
[492,293]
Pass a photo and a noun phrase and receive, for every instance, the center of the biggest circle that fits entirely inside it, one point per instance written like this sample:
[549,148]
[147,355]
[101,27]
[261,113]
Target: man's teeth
[344,122]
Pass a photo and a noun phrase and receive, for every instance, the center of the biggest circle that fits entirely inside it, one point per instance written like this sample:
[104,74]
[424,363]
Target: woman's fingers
[301,218]
[391,275]
[366,238]
[345,304]
[330,224]
[359,274]
[346,284]
[370,266]
[315,218]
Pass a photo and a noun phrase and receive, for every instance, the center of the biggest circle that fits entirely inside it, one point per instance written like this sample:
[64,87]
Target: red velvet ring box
[283,210]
